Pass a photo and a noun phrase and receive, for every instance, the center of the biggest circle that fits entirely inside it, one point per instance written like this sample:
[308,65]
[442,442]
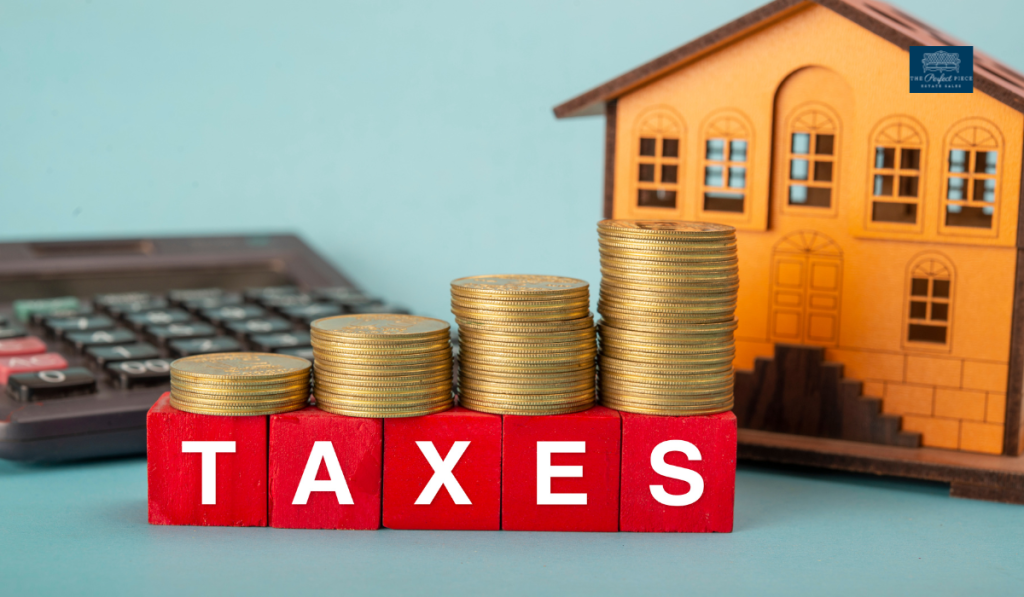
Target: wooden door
[807,274]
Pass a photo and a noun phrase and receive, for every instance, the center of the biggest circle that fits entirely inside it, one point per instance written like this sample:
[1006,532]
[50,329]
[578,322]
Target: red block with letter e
[443,471]
[561,472]
[205,470]
[678,473]
[325,471]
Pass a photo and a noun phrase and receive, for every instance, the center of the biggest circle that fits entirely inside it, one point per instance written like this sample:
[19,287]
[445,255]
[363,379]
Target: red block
[19,346]
[330,462]
[657,470]
[450,463]
[228,453]
[27,363]
[579,471]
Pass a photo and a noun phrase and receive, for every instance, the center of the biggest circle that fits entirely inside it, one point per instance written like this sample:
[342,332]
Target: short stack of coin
[240,383]
[382,366]
[526,344]
[668,300]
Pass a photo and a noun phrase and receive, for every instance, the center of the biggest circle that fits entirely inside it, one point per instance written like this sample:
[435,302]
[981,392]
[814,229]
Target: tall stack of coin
[668,300]
[382,366]
[240,383]
[526,344]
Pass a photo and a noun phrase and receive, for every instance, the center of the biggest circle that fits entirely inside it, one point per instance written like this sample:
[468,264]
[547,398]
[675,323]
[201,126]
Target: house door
[807,275]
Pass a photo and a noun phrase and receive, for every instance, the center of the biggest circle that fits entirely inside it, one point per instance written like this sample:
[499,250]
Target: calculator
[88,329]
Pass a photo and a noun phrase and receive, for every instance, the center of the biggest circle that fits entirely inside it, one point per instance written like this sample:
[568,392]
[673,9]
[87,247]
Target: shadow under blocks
[597,470]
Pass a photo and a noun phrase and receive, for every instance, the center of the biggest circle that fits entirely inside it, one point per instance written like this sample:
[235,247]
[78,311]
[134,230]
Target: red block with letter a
[204,469]
[561,472]
[678,473]
[443,471]
[325,471]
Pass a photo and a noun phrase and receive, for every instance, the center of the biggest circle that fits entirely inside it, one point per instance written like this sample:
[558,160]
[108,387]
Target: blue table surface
[81,529]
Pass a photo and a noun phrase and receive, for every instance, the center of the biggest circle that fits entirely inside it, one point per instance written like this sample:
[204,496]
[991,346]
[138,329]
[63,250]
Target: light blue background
[410,143]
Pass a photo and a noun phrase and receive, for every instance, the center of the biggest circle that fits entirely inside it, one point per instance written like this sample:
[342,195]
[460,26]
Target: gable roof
[888,22]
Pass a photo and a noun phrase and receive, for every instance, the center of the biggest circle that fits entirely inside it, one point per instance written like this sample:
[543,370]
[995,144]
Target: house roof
[888,22]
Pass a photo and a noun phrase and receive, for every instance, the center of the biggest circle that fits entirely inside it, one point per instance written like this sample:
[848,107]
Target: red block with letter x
[678,473]
[443,471]
[325,471]
[561,472]
[205,470]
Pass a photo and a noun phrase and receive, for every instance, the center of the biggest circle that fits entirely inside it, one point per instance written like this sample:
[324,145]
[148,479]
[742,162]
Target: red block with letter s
[678,473]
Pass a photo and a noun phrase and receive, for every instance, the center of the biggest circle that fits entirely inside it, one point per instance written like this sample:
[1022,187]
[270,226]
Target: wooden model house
[879,227]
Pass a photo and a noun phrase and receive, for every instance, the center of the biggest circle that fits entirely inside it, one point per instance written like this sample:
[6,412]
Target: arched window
[726,152]
[812,149]
[896,173]
[972,167]
[930,301]
[658,161]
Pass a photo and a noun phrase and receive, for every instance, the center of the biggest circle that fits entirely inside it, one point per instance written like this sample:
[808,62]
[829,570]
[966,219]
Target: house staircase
[799,392]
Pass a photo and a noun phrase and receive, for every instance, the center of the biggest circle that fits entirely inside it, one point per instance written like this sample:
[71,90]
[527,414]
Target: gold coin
[655,249]
[665,411]
[529,379]
[385,393]
[239,366]
[508,410]
[526,328]
[376,371]
[518,284]
[377,380]
[398,350]
[227,393]
[385,414]
[237,412]
[511,318]
[535,351]
[185,398]
[505,305]
[380,326]
[520,390]
[665,227]
[382,404]
[418,357]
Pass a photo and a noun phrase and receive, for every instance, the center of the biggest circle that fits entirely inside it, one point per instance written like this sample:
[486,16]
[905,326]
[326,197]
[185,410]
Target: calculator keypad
[52,383]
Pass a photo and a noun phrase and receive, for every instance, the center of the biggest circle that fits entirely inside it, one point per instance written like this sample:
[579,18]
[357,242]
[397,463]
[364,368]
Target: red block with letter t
[678,473]
[205,470]
[325,471]
[561,472]
[443,471]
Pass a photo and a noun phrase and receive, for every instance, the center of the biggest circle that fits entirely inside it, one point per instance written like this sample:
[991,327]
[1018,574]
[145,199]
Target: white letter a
[322,452]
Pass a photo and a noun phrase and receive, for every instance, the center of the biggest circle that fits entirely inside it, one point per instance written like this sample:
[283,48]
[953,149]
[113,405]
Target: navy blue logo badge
[941,69]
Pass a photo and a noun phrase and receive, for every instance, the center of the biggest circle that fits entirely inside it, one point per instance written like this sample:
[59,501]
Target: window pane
[969,217]
[658,198]
[883,185]
[824,145]
[927,333]
[957,160]
[801,143]
[918,309]
[713,176]
[819,197]
[715,150]
[910,159]
[985,162]
[940,312]
[919,287]
[985,190]
[899,213]
[737,178]
[957,188]
[885,157]
[668,173]
[940,288]
[646,172]
[670,148]
[731,202]
[823,171]
[797,194]
[908,186]
[647,146]
[738,150]
[798,169]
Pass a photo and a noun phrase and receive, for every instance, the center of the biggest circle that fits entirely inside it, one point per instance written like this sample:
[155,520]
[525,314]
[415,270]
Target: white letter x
[443,473]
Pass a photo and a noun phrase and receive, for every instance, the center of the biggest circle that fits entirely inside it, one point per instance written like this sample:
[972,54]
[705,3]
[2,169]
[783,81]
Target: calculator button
[197,305]
[51,383]
[378,308]
[151,304]
[308,313]
[276,342]
[106,301]
[83,340]
[192,294]
[11,331]
[257,294]
[24,364]
[286,300]
[343,296]
[131,374]
[86,323]
[223,315]
[306,352]
[24,309]
[19,346]
[161,317]
[184,348]
[102,355]
[41,317]
[264,325]
[162,334]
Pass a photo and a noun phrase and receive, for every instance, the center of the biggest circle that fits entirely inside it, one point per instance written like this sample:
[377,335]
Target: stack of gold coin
[240,383]
[668,300]
[526,344]
[382,366]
